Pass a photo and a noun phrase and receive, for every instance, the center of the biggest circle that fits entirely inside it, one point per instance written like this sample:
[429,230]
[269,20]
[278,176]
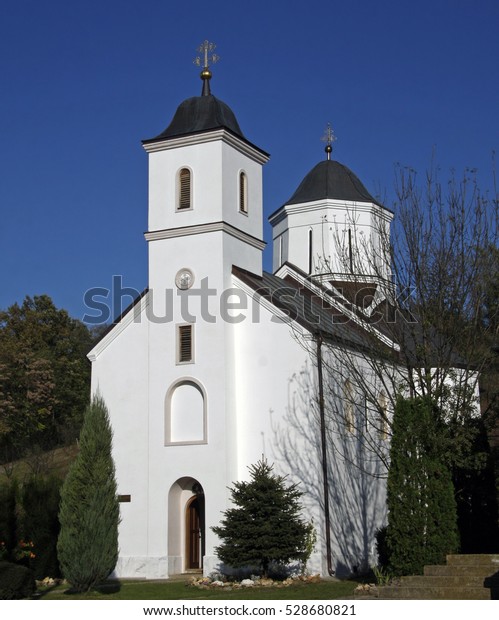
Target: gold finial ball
[329,149]
[206,74]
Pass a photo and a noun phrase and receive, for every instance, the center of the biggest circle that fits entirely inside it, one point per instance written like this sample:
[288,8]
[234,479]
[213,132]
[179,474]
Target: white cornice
[210,136]
[185,231]
[317,205]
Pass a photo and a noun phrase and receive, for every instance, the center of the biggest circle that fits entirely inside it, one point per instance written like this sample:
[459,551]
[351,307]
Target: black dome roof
[199,114]
[330,179]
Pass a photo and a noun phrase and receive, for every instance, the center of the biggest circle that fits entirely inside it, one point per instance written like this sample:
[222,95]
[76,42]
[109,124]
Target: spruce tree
[422,521]
[264,526]
[89,510]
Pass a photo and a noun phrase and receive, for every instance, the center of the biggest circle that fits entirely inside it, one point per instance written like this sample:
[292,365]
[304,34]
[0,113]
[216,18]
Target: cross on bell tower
[207,50]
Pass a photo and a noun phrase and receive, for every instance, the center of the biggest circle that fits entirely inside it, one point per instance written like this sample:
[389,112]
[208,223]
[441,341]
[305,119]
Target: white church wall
[215,168]
[205,163]
[357,472]
[330,246]
[267,361]
[121,379]
[278,417]
[234,162]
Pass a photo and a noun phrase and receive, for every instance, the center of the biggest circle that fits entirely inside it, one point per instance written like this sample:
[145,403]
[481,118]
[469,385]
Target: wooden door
[194,533]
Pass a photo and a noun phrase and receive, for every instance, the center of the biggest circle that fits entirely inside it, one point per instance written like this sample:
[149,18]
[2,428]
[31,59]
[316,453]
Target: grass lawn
[175,590]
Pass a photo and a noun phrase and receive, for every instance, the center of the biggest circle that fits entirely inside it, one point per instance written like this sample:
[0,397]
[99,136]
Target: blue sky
[82,83]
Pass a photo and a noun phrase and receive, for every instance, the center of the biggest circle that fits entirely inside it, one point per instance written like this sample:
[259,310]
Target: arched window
[310,251]
[349,406]
[382,423]
[243,192]
[184,189]
[185,413]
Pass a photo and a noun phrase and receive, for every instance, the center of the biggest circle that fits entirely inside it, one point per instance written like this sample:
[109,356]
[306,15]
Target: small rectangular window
[185,350]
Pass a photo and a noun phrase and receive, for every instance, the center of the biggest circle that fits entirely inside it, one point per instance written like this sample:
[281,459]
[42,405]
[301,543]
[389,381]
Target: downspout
[324,456]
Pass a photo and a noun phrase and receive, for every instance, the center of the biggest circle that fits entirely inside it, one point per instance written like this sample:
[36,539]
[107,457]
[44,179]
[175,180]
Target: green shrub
[7,519]
[15,581]
[39,523]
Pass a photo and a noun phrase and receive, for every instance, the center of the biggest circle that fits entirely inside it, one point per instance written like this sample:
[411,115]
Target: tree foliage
[429,327]
[38,522]
[264,526]
[8,489]
[426,303]
[89,510]
[422,519]
[44,376]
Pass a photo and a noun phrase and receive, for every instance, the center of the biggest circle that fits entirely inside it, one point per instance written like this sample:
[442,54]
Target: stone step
[452,581]
[480,570]
[490,559]
[464,577]
[433,593]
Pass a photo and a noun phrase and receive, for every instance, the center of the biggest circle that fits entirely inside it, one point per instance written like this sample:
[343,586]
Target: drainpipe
[324,455]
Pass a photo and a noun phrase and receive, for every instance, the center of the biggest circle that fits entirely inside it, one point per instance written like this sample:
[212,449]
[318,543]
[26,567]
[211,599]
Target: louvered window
[184,189]
[243,193]
[184,344]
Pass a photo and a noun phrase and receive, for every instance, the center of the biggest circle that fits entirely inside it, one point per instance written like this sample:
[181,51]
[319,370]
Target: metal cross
[329,136]
[206,48]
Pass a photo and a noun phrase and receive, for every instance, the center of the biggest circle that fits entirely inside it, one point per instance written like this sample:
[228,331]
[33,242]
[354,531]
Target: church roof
[310,311]
[198,114]
[330,179]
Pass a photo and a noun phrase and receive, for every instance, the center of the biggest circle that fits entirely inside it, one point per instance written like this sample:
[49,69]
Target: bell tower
[205,216]
[205,193]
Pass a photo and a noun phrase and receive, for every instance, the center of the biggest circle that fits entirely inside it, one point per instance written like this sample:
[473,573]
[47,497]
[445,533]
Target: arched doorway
[194,532]
[186,526]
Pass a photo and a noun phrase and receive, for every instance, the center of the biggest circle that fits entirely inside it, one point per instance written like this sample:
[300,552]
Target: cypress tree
[264,526]
[89,510]
[422,521]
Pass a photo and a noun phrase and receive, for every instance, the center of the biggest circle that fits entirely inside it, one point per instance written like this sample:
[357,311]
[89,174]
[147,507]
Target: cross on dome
[329,138]
[208,57]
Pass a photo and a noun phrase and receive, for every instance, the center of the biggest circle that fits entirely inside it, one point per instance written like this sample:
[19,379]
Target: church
[219,363]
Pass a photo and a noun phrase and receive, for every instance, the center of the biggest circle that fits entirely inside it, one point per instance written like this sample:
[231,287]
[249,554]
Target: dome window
[243,193]
[184,189]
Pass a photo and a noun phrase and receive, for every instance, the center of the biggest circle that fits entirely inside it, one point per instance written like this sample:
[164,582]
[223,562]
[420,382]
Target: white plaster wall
[277,416]
[119,374]
[215,168]
[330,221]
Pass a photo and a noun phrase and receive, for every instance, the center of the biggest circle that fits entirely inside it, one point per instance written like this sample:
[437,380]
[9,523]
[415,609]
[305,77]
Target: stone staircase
[464,577]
